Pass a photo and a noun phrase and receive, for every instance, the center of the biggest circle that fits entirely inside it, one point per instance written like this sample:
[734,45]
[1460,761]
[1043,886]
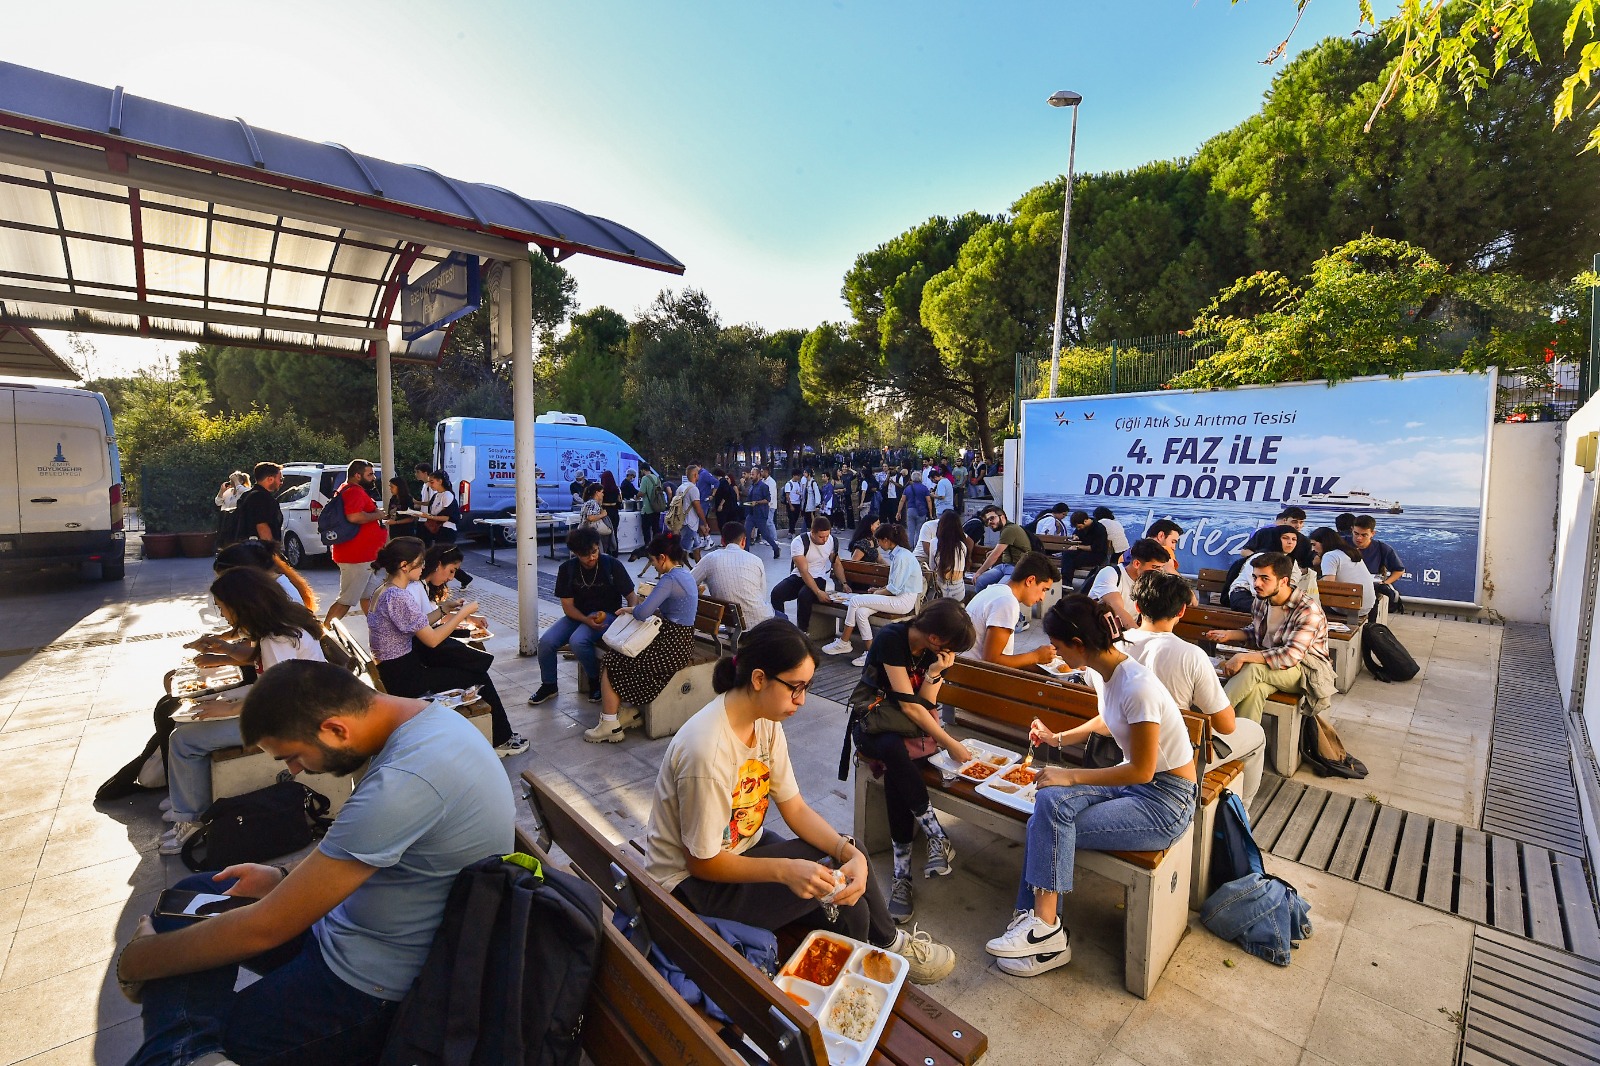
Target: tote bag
[629,635]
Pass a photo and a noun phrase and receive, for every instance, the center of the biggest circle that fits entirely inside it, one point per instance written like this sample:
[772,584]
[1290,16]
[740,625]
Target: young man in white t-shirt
[1113,584]
[994,613]
[1190,675]
[1055,523]
[812,554]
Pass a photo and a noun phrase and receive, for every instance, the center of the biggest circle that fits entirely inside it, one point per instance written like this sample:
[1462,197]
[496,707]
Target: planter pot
[160,545]
[198,545]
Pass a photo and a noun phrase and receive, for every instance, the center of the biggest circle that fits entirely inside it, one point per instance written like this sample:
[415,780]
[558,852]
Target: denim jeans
[1146,817]
[299,1013]
[582,637]
[189,764]
[761,527]
[993,576]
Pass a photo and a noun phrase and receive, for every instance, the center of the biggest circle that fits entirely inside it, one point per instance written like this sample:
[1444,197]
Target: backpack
[1262,913]
[333,525]
[678,511]
[1234,851]
[1324,752]
[1386,658]
[257,826]
[509,973]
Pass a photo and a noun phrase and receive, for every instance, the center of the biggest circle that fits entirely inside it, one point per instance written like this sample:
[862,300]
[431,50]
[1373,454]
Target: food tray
[1063,672]
[455,697]
[196,681]
[1003,791]
[821,1000]
[980,749]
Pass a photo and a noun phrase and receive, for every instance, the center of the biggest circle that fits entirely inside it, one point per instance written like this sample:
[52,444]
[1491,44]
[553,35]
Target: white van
[306,489]
[60,481]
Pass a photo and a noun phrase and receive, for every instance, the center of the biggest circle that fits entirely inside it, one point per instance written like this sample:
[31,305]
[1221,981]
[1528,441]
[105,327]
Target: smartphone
[174,903]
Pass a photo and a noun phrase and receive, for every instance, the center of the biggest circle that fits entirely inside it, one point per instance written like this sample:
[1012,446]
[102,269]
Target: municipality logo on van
[60,466]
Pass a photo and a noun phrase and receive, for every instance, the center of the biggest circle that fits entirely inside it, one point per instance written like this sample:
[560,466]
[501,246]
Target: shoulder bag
[629,635]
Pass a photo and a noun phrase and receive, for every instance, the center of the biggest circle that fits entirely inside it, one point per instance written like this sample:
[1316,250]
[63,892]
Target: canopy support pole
[523,456]
[385,420]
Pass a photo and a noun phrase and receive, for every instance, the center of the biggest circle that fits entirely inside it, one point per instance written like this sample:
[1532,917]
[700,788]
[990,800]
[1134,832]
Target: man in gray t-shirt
[347,931]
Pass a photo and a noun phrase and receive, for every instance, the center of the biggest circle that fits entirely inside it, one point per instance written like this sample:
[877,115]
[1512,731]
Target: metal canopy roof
[125,215]
[24,354]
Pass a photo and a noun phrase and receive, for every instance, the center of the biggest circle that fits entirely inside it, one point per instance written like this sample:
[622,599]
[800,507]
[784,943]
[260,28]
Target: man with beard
[354,556]
[339,939]
[1286,625]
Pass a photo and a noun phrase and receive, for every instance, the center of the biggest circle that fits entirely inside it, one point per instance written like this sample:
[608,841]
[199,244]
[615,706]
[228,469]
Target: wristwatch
[848,843]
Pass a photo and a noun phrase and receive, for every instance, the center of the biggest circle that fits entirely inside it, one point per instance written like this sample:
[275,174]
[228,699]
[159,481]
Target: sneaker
[463,578]
[859,660]
[1034,965]
[774,551]
[838,647]
[941,853]
[901,905]
[543,694]
[594,695]
[930,961]
[166,804]
[1027,936]
[515,744]
[1022,626]
[172,843]
[629,717]
[168,816]
[605,732]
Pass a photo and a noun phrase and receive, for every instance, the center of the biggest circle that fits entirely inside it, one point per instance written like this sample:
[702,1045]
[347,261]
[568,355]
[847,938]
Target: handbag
[603,527]
[1321,747]
[629,635]
[1101,751]
[257,826]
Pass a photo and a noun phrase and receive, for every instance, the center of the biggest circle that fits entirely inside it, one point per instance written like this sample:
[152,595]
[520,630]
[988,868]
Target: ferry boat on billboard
[1356,500]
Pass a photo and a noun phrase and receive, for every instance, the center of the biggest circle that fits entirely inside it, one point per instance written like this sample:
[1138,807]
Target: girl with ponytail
[1145,803]
[707,843]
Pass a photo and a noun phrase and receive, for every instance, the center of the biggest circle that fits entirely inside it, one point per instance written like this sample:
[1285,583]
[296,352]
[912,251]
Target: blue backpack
[333,525]
[1261,913]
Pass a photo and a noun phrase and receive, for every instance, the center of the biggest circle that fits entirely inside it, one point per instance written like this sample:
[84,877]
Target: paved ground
[1380,981]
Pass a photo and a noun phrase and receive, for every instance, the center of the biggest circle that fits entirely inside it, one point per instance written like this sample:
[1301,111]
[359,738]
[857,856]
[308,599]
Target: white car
[307,488]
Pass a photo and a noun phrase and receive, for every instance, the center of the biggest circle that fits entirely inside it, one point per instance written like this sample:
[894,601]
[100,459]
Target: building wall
[1520,527]
[1574,529]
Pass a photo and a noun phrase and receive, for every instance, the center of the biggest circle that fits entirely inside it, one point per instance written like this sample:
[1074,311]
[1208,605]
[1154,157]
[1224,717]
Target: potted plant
[179,513]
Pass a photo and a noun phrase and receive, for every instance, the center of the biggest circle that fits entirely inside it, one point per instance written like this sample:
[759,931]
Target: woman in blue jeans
[1144,803]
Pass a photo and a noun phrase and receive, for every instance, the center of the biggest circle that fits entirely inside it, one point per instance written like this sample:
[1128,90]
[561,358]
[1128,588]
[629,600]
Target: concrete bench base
[688,691]
[1281,720]
[1156,907]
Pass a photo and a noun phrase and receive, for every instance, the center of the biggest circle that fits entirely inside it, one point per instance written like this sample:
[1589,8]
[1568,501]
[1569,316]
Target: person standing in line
[913,510]
[959,476]
[400,525]
[611,500]
[794,496]
[761,510]
[258,515]
[652,501]
[944,495]
[355,556]
[424,475]
[848,492]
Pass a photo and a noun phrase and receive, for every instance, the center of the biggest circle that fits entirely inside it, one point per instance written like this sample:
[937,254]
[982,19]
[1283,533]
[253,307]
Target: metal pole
[523,457]
[385,420]
[1061,273]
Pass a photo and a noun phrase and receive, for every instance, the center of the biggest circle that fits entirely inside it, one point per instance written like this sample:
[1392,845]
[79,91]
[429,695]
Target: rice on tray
[854,1013]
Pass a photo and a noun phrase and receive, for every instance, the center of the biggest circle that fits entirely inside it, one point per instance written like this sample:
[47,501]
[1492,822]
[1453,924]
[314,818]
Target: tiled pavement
[1380,982]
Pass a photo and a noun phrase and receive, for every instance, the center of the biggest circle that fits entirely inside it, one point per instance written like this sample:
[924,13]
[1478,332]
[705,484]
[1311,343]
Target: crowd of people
[348,928]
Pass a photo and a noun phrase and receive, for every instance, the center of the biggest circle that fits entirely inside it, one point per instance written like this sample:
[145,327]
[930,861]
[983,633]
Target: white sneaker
[930,961]
[1027,936]
[515,745]
[859,660]
[838,647]
[172,843]
[1034,965]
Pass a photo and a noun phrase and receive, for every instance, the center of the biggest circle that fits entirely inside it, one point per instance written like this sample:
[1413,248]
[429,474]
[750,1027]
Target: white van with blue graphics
[478,455]
[60,481]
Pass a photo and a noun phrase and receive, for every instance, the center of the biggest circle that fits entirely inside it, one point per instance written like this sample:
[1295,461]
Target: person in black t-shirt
[908,660]
[591,587]
[258,514]
[1096,546]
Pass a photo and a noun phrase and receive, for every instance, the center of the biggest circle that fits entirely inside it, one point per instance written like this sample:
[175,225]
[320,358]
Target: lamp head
[1065,98]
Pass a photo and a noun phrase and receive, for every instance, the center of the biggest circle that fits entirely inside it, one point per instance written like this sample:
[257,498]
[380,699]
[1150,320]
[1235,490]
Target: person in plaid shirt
[1286,626]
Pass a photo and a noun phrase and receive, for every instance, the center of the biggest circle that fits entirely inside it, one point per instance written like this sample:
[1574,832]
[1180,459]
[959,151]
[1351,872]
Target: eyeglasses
[797,692]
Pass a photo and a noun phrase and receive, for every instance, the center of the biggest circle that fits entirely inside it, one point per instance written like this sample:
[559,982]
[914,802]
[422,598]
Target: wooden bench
[1212,585]
[922,1031]
[1002,703]
[1341,602]
[1280,716]
[857,576]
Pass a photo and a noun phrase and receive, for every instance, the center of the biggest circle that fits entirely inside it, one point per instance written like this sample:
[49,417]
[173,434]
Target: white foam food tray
[822,1001]
[982,751]
[1009,793]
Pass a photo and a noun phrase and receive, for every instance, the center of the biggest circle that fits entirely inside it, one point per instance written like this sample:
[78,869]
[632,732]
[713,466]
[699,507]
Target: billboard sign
[1412,452]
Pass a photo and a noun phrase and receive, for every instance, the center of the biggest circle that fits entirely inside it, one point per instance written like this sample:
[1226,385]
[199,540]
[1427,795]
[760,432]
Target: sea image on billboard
[1410,452]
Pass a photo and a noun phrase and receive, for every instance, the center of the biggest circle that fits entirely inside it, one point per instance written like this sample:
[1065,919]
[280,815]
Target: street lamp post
[1064,98]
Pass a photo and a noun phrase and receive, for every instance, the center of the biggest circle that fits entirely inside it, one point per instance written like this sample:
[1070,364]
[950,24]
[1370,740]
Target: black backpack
[1386,658]
[509,972]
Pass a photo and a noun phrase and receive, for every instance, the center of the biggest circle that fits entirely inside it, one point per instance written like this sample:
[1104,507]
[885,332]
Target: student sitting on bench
[706,841]
[1144,803]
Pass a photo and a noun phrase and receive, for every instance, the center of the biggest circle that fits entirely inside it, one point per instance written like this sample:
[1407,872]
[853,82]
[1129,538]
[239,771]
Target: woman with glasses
[724,770]
[399,620]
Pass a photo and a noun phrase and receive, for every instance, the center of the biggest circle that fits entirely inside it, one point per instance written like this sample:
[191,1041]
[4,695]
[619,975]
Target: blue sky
[763,144]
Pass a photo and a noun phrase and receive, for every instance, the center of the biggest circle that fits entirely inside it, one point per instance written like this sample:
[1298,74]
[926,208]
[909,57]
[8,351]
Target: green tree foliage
[590,366]
[699,388]
[1377,306]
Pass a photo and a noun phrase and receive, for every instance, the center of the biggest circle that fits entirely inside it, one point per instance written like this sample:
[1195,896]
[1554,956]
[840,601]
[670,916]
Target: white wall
[1520,527]
[1574,528]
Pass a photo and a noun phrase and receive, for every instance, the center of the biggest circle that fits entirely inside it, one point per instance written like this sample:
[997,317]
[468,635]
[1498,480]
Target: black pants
[650,525]
[794,588]
[1241,600]
[1073,560]
[795,515]
[903,789]
[409,676]
[769,905]
[1390,593]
